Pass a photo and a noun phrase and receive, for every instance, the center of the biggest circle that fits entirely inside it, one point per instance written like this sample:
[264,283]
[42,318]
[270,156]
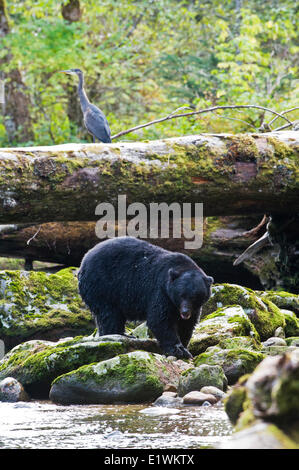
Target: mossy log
[229,174]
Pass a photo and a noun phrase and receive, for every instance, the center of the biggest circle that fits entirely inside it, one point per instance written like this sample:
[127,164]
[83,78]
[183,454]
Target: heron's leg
[94,139]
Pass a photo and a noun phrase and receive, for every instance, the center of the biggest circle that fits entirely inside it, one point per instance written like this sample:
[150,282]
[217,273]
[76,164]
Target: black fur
[128,279]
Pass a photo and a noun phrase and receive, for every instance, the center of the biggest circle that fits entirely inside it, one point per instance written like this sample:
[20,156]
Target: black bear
[129,279]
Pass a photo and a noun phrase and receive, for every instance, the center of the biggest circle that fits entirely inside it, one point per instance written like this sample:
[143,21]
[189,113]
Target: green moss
[134,371]
[234,403]
[235,362]
[264,315]
[34,301]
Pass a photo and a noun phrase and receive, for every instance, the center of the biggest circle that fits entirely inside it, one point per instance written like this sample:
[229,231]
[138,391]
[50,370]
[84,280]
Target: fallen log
[229,174]
[66,243]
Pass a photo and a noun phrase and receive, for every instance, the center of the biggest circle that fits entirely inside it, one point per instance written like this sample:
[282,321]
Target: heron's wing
[97,124]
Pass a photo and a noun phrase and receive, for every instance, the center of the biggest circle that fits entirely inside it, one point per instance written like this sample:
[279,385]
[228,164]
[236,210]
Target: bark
[17,119]
[229,174]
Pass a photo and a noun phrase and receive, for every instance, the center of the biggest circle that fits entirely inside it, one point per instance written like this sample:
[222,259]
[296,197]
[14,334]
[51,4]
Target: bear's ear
[173,274]
[209,280]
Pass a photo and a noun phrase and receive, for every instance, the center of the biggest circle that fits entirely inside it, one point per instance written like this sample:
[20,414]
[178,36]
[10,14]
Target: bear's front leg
[168,338]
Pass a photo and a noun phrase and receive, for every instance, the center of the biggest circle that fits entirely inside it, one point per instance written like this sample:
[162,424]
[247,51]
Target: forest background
[142,60]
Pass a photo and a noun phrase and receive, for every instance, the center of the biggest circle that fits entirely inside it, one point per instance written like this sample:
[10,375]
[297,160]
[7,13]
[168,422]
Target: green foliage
[144,59]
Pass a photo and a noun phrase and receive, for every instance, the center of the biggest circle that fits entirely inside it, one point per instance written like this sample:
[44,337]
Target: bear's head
[189,290]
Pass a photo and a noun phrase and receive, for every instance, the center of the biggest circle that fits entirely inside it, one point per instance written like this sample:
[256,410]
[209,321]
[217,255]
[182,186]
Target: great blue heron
[94,119]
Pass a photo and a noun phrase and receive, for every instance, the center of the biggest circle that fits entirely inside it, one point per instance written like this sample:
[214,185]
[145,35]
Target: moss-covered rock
[235,400]
[292,323]
[273,388]
[282,299]
[135,377]
[41,305]
[260,435]
[235,362]
[223,324]
[263,313]
[199,377]
[36,364]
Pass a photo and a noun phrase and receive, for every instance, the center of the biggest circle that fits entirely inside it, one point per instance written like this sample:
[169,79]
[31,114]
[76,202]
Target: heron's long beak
[69,72]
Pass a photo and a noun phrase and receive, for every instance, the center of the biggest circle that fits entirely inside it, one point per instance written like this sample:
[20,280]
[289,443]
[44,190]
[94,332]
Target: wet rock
[259,436]
[234,362]
[135,377]
[223,324]
[198,398]
[293,341]
[275,350]
[292,323]
[263,313]
[169,399]
[37,364]
[235,400]
[279,332]
[210,390]
[41,305]
[12,391]
[273,388]
[198,377]
[274,341]
[283,300]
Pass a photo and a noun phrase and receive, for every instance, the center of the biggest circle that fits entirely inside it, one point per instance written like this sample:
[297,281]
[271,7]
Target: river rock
[261,435]
[274,341]
[292,323]
[211,390]
[11,390]
[35,304]
[223,324]
[293,341]
[36,364]
[136,377]
[263,313]
[273,388]
[169,399]
[234,362]
[198,398]
[198,377]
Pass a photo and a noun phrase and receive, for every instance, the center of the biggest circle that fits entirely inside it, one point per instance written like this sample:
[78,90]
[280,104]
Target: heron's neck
[82,95]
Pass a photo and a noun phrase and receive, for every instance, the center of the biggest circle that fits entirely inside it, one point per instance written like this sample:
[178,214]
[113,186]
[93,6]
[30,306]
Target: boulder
[36,364]
[39,305]
[263,313]
[235,362]
[283,300]
[273,388]
[223,324]
[136,377]
[196,378]
[259,436]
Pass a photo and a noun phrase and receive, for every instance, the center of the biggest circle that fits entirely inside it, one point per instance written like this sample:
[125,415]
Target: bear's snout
[185,310]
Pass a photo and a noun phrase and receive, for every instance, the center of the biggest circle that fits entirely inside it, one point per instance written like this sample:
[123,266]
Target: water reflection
[41,425]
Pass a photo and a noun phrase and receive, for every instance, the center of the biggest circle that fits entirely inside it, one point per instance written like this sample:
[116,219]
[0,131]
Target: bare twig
[282,113]
[193,113]
[32,238]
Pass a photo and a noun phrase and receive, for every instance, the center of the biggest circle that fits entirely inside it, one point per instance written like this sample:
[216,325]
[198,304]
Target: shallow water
[44,425]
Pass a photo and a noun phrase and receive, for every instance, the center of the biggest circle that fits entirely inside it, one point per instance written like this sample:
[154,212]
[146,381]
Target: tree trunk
[16,107]
[229,174]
